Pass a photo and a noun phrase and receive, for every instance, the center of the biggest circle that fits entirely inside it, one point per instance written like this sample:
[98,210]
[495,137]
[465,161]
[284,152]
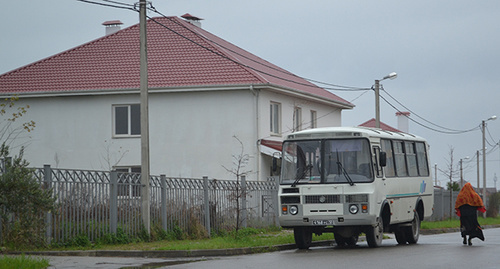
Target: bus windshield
[326,161]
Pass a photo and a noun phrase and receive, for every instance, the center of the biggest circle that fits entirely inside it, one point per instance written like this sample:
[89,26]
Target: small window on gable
[275,118]
[297,119]
[126,120]
[314,119]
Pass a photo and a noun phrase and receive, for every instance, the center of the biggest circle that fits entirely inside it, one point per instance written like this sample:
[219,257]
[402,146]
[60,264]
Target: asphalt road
[432,251]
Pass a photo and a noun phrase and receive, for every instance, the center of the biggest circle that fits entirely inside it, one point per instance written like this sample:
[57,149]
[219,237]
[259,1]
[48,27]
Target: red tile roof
[174,60]
[371,123]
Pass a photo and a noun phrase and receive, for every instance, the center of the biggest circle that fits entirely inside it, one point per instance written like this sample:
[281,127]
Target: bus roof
[345,132]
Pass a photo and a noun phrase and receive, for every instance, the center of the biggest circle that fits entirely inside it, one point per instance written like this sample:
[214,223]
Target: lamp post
[392,75]
[461,172]
[483,127]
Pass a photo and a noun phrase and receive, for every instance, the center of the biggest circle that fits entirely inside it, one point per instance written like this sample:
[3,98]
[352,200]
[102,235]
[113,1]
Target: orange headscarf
[468,196]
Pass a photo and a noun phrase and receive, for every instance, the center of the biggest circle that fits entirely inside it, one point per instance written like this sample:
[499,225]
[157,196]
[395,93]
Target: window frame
[133,120]
[275,118]
[314,119]
[297,118]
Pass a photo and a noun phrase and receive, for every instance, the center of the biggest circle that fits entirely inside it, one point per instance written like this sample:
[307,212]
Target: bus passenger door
[380,187]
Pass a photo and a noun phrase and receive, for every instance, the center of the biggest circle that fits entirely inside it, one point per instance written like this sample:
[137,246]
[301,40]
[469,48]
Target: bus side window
[376,163]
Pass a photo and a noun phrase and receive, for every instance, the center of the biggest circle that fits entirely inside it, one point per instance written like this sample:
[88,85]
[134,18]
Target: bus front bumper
[322,221]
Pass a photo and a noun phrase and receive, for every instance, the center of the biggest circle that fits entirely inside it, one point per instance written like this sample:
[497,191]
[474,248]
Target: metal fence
[443,204]
[94,203]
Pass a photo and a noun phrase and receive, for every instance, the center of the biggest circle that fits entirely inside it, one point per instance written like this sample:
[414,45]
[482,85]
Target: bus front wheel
[303,237]
[375,234]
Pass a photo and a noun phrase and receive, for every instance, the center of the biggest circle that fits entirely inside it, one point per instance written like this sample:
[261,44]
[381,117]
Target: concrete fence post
[206,204]
[163,181]
[48,216]
[243,201]
[113,202]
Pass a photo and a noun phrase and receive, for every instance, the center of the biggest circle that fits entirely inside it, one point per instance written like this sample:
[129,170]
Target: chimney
[403,121]
[192,19]
[112,26]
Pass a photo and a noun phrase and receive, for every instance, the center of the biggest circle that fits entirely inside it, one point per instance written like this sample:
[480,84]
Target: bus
[353,180]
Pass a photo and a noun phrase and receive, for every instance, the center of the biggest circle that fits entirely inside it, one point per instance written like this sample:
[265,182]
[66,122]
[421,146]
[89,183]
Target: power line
[124,5]
[451,131]
[346,88]
[493,144]
[425,126]
[116,4]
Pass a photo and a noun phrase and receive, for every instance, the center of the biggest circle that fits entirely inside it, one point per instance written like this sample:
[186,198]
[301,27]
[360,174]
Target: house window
[314,119]
[297,119]
[127,120]
[275,118]
[129,184]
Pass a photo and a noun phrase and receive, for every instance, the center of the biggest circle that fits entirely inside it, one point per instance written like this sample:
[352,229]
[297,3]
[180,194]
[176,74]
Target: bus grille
[290,199]
[356,198]
[322,199]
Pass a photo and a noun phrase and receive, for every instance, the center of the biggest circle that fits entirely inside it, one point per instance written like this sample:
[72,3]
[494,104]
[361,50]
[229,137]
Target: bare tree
[240,161]
[450,173]
[111,158]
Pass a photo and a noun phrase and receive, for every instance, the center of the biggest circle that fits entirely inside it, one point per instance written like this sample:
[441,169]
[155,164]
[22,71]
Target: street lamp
[483,127]
[392,75]
[461,172]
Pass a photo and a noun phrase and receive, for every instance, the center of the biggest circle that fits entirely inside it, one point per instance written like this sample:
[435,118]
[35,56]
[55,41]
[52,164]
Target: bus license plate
[323,222]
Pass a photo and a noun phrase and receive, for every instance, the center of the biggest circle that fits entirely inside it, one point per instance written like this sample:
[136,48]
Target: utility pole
[392,75]
[478,173]
[377,103]
[145,192]
[436,174]
[483,127]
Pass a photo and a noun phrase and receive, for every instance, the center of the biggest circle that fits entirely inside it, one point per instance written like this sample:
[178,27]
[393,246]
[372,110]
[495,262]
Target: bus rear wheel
[375,234]
[412,232]
[303,237]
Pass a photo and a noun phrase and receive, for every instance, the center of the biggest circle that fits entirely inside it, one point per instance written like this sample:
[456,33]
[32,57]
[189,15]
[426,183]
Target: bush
[115,239]
[23,203]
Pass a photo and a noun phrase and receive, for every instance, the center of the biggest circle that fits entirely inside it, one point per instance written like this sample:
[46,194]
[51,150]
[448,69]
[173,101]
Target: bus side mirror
[383,159]
[276,156]
[275,164]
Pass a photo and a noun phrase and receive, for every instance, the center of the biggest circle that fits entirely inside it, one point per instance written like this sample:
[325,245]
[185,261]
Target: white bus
[354,180]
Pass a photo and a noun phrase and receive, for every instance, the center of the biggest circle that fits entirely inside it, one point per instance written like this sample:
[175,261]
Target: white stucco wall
[191,133]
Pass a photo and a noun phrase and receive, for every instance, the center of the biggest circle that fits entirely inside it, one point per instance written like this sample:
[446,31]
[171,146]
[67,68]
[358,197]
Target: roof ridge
[219,48]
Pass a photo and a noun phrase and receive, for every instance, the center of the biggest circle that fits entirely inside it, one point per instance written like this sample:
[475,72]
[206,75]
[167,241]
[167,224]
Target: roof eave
[190,88]
[306,95]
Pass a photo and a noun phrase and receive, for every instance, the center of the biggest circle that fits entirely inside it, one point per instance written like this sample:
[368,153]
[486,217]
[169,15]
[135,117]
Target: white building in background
[205,94]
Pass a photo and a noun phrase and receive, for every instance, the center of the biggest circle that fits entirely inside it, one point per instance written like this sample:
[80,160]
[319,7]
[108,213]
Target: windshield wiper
[344,172]
[301,175]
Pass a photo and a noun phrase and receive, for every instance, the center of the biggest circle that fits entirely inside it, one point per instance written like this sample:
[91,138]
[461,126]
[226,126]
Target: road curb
[200,252]
[168,253]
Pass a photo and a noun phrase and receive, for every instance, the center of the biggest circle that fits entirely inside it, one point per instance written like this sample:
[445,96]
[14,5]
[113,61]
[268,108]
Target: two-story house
[205,95]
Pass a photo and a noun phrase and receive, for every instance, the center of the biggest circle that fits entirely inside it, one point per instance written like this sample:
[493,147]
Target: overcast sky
[446,54]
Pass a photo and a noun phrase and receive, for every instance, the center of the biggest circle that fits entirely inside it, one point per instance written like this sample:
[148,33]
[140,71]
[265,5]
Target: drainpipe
[257,132]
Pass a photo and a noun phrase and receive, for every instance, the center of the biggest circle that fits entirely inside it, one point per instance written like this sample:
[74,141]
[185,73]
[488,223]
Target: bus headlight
[294,210]
[353,209]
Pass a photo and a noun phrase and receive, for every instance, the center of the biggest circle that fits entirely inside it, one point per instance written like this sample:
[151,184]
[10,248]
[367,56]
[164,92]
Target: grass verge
[23,262]
[249,237]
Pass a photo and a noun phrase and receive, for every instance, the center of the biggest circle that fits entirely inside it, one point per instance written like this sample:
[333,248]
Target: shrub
[23,203]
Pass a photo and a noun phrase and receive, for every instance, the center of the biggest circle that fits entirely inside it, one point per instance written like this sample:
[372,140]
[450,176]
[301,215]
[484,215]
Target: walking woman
[466,207]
